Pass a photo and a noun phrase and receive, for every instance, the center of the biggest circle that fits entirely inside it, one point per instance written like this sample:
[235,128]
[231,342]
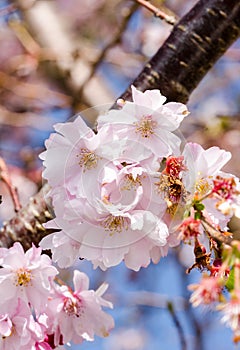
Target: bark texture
[195,44]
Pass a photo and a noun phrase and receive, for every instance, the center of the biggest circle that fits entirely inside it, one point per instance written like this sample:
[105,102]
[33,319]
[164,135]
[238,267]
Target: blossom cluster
[37,313]
[212,289]
[131,190]
[120,194]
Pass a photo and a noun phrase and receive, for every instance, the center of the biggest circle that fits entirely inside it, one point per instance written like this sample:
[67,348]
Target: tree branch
[26,227]
[157,12]
[195,44]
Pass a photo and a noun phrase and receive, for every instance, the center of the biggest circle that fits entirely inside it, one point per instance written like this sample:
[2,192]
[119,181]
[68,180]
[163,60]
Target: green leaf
[230,282]
[197,215]
[198,206]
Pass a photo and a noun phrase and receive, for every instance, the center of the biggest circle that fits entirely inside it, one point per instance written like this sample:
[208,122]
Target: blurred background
[62,57]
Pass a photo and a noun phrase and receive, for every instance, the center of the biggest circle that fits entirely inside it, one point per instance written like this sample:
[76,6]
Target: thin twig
[223,237]
[24,119]
[33,91]
[190,315]
[114,41]
[178,325]
[157,12]
[7,10]
[4,176]
[25,38]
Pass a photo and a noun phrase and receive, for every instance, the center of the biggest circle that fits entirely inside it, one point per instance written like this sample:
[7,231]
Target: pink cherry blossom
[18,329]
[231,314]
[208,291]
[75,155]
[116,236]
[189,229]
[64,249]
[26,276]
[78,313]
[148,121]
[204,167]
[107,233]
[110,212]
[227,192]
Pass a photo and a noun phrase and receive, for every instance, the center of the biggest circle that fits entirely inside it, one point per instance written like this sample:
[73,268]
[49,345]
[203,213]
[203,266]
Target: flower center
[224,187]
[202,187]
[172,189]
[174,166]
[114,224]
[130,182]
[88,159]
[73,307]
[146,126]
[23,277]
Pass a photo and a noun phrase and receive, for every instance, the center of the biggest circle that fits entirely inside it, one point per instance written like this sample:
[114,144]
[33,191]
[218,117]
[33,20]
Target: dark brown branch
[195,44]
[26,227]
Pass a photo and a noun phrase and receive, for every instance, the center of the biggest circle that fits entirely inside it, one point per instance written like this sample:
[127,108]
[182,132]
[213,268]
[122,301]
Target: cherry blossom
[77,314]
[43,313]
[115,236]
[148,121]
[129,193]
[18,329]
[204,167]
[208,291]
[231,314]
[26,275]
[189,229]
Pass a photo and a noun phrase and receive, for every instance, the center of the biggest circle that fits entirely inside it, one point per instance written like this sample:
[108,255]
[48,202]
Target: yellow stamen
[146,126]
[130,182]
[202,187]
[88,159]
[115,224]
[23,277]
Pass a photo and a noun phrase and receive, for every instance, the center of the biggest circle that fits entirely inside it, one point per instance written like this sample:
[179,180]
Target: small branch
[223,237]
[190,315]
[33,91]
[7,10]
[114,41]
[24,119]
[178,325]
[26,226]
[156,300]
[4,176]
[157,12]
[25,38]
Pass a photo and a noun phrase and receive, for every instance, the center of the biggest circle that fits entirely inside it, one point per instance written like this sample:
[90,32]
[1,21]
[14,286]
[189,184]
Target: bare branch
[115,40]
[178,325]
[157,12]
[5,177]
[68,70]
[195,44]
[26,227]
[33,91]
